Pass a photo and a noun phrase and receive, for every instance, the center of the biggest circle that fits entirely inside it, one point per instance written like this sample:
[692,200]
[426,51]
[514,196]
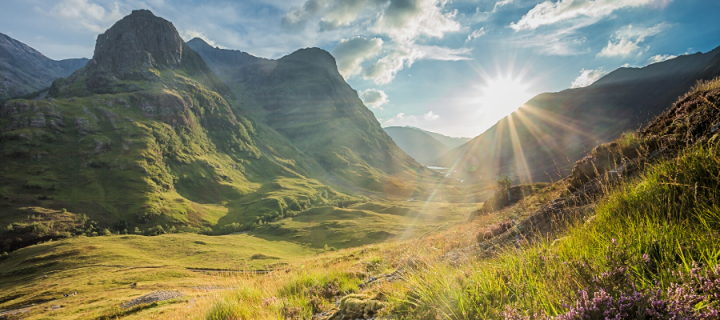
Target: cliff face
[133,50]
[304,97]
[24,70]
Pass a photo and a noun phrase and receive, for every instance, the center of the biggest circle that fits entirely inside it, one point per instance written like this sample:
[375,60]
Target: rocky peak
[129,50]
[198,43]
[316,56]
[140,40]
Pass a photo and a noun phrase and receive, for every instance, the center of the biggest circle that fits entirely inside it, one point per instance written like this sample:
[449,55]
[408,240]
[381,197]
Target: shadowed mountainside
[303,97]
[24,70]
[542,140]
[423,145]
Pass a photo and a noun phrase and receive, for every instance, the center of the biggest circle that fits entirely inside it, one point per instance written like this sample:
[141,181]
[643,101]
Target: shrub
[155,231]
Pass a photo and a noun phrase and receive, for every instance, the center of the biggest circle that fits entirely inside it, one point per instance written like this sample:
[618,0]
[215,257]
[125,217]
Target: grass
[176,154]
[642,236]
[649,245]
[659,215]
[106,271]
[654,226]
[103,269]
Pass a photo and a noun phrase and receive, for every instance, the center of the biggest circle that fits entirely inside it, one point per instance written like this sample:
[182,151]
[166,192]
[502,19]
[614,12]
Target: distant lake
[437,168]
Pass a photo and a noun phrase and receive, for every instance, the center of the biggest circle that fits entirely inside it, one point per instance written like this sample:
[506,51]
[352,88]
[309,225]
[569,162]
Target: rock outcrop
[136,48]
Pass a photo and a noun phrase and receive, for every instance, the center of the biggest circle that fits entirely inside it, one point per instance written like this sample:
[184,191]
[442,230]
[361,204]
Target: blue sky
[453,67]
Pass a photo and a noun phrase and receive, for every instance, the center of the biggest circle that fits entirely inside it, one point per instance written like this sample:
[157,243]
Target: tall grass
[296,292]
[643,234]
[646,236]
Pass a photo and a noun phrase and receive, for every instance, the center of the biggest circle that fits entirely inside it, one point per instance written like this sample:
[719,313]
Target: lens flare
[503,95]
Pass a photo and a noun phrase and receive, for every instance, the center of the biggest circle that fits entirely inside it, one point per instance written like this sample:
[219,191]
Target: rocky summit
[134,49]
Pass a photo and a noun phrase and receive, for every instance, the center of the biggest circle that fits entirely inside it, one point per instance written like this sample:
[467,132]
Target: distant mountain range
[541,140]
[424,146]
[24,70]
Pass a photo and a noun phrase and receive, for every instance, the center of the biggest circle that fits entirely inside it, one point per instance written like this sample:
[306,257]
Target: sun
[503,95]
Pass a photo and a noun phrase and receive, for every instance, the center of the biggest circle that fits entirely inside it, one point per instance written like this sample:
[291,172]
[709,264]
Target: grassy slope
[303,97]
[101,269]
[652,232]
[171,155]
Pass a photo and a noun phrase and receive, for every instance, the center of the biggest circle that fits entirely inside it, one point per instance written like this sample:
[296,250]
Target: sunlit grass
[668,214]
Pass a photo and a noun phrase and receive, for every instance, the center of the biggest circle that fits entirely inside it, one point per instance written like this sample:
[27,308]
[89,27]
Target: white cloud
[400,119]
[660,58]
[86,15]
[562,42]
[501,3]
[403,21]
[299,16]
[374,98]
[415,121]
[406,20]
[587,77]
[351,53]
[628,38]
[624,47]
[442,53]
[549,12]
[475,34]
[430,116]
[384,70]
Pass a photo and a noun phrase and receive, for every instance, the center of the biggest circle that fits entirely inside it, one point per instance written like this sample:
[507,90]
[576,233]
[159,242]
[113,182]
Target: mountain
[304,98]
[451,142]
[24,70]
[424,146]
[541,140]
[146,135]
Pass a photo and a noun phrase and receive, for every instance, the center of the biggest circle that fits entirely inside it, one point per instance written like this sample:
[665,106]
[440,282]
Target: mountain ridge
[558,128]
[423,146]
[24,70]
[313,106]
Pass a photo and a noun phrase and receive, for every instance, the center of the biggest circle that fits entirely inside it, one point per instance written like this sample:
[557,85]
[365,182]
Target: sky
[452,67]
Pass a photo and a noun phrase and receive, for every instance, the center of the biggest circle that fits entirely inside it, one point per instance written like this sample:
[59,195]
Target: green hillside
[304,98]
[140,138]
[634,239]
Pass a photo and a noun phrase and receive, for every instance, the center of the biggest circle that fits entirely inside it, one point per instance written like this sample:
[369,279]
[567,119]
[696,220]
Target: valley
[165,179]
